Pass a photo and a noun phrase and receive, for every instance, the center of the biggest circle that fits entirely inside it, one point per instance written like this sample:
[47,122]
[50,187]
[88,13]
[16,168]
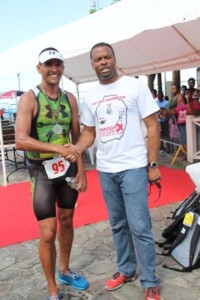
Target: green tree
[92,11]
[93,7]
[176,77]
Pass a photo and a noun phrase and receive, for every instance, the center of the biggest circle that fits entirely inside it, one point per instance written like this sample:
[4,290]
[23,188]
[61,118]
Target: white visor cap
[50,54]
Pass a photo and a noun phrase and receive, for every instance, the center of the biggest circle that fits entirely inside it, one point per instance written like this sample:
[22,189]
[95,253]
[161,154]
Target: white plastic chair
[194,172]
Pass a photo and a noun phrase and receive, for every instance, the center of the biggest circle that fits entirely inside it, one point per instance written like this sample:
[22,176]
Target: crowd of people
[48,129]
[172,114]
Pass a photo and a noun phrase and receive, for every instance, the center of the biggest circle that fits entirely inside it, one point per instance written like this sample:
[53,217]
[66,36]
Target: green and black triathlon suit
[47,192]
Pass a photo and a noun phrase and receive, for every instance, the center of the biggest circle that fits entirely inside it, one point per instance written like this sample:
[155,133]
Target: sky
[25,19]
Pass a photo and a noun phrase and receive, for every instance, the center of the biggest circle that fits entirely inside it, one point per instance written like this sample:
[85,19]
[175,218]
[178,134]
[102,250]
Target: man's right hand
[70,152]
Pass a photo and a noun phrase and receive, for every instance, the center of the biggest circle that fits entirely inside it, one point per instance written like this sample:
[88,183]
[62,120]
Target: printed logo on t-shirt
[182,116]
[112,118]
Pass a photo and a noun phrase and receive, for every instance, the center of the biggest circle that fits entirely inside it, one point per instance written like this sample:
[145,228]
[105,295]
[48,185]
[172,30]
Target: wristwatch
[153,165]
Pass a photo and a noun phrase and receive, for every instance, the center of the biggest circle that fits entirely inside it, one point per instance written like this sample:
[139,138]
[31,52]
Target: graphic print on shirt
[182,116]
[112,118]
[61,110]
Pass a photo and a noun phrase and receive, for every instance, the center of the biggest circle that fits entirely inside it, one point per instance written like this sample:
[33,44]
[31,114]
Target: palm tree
[176,77]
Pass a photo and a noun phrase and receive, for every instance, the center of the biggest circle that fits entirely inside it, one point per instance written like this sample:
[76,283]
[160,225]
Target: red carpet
[18,224]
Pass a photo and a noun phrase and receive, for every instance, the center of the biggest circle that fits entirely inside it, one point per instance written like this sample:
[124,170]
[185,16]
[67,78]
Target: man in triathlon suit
[47,119]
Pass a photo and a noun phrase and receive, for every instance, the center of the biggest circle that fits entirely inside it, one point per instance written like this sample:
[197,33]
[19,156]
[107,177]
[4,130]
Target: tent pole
[18,78]
[62,83]
[78,97]
[77,92]
[3,156]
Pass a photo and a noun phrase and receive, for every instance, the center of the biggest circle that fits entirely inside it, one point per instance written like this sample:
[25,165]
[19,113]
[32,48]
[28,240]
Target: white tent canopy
[148,37]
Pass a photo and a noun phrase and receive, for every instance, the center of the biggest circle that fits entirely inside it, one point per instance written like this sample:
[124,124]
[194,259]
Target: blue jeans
[182,133]
[126,197]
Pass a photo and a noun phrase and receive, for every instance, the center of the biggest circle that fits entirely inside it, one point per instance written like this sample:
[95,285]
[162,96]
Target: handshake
[70,152]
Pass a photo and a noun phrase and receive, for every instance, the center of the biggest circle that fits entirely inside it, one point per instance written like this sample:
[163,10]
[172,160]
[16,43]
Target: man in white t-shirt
[112,113]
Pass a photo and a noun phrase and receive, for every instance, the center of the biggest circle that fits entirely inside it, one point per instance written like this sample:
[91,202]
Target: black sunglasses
[158,185]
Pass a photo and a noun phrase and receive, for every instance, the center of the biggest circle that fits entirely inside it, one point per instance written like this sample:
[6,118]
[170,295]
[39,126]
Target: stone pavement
[93,255]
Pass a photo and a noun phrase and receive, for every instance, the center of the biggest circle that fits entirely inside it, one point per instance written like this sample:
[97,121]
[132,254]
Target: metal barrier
[169,135]
[8,151]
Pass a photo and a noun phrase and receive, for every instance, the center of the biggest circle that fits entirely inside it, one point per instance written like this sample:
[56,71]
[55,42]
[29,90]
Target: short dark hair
[184,86]
[154,91]
[191,79]
[160,93]
[101,44]
[176,85]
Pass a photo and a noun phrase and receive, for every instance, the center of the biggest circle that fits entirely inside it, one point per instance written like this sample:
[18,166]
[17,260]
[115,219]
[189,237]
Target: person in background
[176,98]
[154,94]
[192,95]
[166,98]
[46,118]
[164,123]
[183,90]
[181,111]
[162,103]
[111,110]
[1,113]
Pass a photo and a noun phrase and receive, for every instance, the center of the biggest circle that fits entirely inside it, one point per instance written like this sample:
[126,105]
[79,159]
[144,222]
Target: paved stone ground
[93,255]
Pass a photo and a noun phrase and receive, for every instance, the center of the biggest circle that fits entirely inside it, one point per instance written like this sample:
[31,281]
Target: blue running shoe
[58,297]
[75,280]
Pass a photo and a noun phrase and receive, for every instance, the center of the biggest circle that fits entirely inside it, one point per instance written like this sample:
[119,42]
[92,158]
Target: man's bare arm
[153,142]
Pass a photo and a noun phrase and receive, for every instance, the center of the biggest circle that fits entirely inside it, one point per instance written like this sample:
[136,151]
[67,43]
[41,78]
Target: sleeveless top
[43,123]
[173,102]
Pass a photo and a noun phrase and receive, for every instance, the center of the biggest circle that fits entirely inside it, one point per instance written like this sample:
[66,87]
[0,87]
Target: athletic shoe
[152,293]
[74,279]
[58,297]
[117,281]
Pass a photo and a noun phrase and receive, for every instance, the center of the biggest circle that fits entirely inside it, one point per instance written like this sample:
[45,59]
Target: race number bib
[56,167]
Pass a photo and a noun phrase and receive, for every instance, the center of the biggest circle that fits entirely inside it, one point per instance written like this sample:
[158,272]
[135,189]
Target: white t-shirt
[116,111]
